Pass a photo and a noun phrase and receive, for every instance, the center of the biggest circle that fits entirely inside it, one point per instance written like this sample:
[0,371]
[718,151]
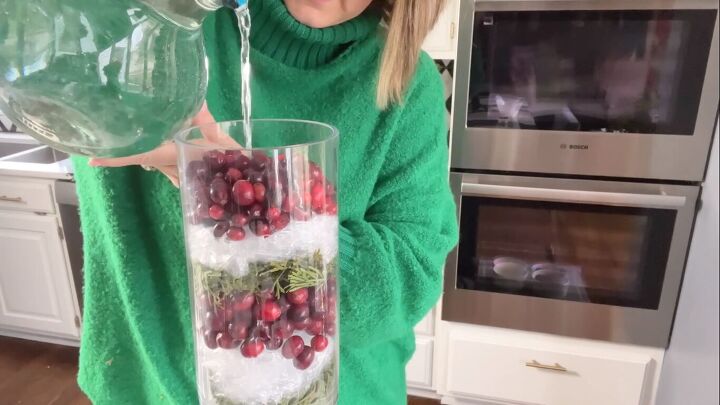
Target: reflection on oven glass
[602,71]
[560,251]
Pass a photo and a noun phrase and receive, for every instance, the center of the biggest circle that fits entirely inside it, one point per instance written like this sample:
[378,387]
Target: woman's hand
[164,157]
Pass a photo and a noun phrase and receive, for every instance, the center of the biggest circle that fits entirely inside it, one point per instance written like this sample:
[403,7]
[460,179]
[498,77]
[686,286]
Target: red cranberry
[227,310]
[237,160]
[242,318]
[330,328]
[220,229]
[236,234]
[259,189]
[305,358]
[329,190]
[319,343]
[233,175]
[219,191]
[256,211]
[240,220]
[225,341]
[215,160]
[331,208]
[216,212]
[252,348]
[260,160]
[243,193]
[282,328]
[238,331]
[318,301]
[274,343]
[293,347]
[202,209]
[298,297]
[242,301]
[331,313]
[214,321]
[298,313]
[302,325]
[284,304]
[279,223]
[262,331]
[315,172]
[270,310]
[300,214]
[198,169]
[317,196]
[288,204]
[331,286]
[260,228]
[254,176]
[316,327]
[210,338]
[273,213]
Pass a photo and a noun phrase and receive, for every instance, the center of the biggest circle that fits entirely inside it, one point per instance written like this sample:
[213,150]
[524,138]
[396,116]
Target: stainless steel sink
[41,155]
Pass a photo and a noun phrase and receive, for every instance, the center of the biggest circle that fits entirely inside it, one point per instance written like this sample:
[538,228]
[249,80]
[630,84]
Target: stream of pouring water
[243,16]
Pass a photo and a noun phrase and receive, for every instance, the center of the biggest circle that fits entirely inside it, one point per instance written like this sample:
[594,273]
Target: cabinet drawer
[539,376]
[26,196]
[419,370]
[425,327]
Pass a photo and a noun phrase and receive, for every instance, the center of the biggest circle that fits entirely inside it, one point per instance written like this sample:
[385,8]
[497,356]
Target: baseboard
[41,338]
[422,393]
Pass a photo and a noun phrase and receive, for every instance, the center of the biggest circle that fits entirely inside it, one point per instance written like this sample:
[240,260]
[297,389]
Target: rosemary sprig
[282,276]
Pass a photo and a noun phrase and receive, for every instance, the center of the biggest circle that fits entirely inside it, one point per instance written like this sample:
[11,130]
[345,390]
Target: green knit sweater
[397,216]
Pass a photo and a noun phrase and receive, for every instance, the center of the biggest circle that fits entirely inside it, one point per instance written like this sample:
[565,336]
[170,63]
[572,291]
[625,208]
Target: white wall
[690,371]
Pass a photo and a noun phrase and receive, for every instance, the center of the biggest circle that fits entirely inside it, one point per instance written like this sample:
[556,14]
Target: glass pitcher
[103,78]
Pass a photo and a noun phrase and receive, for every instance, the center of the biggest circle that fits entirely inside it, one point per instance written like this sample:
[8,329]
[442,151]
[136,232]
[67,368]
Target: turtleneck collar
[278,35]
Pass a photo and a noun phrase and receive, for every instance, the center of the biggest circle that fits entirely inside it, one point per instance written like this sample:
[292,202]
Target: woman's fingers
[213,134]
[163,155]
[171,172]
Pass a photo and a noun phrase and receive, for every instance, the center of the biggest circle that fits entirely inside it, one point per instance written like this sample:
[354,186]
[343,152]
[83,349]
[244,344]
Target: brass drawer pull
[18,200]
[555,367]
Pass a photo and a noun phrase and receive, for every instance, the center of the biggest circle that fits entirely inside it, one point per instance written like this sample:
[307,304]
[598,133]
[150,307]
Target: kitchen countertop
[61,170]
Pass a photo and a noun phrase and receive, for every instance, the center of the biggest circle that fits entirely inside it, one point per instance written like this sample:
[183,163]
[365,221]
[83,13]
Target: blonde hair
[408,22]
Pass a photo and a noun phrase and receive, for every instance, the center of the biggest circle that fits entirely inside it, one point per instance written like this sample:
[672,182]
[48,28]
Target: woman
[321,60]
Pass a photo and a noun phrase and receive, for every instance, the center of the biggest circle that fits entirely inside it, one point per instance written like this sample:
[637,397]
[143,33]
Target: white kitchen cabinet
[38,298]
[35,291]
[419,369]
[441,42]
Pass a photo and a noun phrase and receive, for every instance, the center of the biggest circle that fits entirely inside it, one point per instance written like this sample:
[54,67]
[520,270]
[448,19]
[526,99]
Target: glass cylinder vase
[261,231]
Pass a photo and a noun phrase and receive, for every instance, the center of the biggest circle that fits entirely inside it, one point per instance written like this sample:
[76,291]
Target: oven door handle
[574,196]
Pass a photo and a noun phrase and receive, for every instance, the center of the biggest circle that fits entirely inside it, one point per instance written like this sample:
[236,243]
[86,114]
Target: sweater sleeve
[391,261]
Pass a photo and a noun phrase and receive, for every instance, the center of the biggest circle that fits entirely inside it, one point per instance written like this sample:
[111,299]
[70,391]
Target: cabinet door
[441,41]
[35,293]
[418,372]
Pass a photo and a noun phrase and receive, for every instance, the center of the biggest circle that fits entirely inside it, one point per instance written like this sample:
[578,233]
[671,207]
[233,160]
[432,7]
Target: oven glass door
[589,71]
[564,250]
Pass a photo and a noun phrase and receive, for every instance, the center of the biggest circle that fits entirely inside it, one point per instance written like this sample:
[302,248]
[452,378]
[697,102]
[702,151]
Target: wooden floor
[33,373]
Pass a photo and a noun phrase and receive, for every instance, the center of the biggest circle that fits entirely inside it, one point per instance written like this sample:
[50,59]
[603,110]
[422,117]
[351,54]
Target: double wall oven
[581,134]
